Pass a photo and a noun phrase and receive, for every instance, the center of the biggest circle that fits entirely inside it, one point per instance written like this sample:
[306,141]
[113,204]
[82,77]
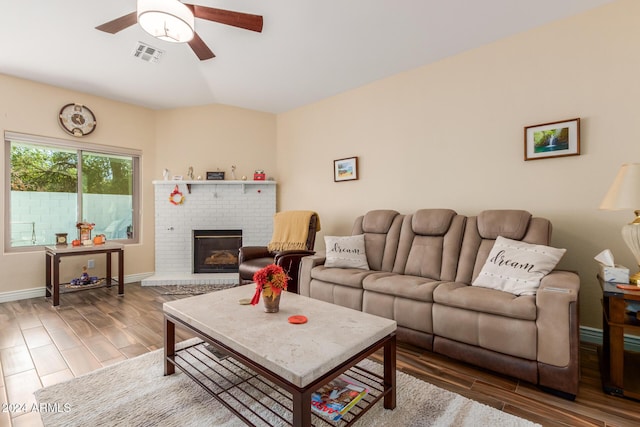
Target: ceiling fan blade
[201,50]
[235,19]
[119,24]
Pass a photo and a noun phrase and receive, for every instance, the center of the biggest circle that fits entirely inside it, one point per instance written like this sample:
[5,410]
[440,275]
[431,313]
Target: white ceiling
[308,50]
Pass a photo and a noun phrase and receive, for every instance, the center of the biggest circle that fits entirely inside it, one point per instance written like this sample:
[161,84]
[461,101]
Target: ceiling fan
[172,20]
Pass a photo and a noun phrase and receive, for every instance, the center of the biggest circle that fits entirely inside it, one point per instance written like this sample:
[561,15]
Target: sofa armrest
[290,262]
[557,321]
[291,255]
[307,263]
[252,252]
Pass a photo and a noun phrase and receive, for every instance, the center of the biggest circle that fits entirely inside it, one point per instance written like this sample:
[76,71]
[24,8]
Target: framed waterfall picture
[345,169]
[556,139]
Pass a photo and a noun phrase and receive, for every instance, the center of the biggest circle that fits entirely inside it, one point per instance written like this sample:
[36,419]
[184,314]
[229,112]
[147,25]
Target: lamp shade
[168,20]
[625,190]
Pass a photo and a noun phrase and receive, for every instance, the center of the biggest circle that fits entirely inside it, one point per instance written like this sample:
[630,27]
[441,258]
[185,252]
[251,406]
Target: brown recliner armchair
[279,252]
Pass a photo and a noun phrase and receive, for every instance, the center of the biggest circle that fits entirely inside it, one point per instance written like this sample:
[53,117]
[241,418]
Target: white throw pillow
[517,267]
[346,252]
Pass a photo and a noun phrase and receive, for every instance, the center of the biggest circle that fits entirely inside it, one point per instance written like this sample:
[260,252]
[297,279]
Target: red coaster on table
[298,319]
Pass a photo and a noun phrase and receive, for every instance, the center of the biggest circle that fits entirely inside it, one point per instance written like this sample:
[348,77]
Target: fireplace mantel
[242,185]
[210,205]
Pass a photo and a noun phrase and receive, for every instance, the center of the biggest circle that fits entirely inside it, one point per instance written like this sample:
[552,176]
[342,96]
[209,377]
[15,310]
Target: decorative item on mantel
[270,282]
[215,176]
[84,232]
[259,175]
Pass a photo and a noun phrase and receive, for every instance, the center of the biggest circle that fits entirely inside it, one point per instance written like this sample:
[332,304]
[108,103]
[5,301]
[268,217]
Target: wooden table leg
[390,373]
[108,272]
[47,279]
[617,308]
[169,345]
[56,280]
[302,408]
[120,272]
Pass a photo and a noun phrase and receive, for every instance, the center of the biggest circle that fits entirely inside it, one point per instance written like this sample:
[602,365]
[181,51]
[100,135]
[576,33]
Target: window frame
[79,147]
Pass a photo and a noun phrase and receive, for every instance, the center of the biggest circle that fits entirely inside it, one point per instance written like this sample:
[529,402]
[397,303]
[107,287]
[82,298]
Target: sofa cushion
[381,229]
[399,285]
[517,267]
[432,222]
[346,252]
[351,277]
[511,224]
[461,295]
[430,244]
[378,221]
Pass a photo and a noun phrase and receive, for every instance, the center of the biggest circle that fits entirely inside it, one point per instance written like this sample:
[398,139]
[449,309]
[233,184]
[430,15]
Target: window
[54,184]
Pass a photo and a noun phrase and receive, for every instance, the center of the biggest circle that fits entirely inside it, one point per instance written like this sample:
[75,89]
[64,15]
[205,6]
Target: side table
[620,369]
[53,254]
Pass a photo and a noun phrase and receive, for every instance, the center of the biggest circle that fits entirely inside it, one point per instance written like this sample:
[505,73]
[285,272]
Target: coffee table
[247,356]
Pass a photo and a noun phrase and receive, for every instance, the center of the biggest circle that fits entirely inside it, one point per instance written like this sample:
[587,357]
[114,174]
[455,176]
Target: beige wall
[214,137]
[451,135]
[206,138]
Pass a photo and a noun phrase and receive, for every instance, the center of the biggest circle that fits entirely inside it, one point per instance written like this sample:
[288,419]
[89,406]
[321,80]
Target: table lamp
[625,194]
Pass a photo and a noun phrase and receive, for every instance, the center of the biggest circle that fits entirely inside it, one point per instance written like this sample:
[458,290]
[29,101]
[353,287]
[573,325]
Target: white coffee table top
[298,353]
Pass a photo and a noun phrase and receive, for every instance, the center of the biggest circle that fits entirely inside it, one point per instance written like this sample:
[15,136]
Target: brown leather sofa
[421,269]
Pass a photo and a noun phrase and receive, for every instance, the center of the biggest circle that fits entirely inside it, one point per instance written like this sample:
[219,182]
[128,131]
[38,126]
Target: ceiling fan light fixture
[168,20]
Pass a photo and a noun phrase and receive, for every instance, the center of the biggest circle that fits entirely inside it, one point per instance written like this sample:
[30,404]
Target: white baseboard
[22,294]
[40,292]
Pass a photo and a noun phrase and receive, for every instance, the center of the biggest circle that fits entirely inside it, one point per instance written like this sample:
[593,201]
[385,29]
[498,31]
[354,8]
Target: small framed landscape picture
[556,139]
[345,169]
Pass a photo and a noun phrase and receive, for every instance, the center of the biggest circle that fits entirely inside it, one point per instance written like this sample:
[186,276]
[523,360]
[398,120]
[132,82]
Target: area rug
[193,289]
[135,393]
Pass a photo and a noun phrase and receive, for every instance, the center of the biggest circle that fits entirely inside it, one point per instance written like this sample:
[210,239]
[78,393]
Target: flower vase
[272,303]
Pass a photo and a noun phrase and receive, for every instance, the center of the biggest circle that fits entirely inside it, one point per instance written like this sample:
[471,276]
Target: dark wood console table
[54,253]
[620,369]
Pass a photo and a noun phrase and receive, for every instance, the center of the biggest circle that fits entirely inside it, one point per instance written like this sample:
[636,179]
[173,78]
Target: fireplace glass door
[216,251]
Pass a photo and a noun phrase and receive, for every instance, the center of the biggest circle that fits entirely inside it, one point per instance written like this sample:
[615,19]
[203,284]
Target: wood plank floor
[41,345]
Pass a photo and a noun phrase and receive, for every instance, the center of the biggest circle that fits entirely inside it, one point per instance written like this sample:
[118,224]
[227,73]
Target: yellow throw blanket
[290,230]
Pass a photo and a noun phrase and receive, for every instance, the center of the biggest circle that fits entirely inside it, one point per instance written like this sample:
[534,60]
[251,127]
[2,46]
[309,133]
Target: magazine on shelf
[337,397]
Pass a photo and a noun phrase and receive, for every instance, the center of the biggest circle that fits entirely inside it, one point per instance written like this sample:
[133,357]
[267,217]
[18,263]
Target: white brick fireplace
[208,205]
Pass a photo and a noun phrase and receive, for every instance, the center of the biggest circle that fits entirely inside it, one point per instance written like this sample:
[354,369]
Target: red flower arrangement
[270,281]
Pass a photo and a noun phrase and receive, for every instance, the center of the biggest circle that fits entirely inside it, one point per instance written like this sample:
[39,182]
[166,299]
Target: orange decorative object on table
[629,287]
[271,281]
[99,239]
[298,319]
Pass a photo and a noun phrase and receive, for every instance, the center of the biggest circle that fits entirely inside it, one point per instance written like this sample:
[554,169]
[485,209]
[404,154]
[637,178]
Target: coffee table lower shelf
[254,399]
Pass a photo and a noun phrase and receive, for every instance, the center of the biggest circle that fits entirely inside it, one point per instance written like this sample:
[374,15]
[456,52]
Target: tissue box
[617,274]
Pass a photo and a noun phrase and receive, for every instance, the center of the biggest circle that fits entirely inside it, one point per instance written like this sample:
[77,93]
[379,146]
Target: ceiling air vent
[147,53]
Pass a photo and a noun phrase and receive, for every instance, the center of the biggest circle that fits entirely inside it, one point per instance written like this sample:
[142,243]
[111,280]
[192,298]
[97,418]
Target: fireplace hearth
[216,251]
